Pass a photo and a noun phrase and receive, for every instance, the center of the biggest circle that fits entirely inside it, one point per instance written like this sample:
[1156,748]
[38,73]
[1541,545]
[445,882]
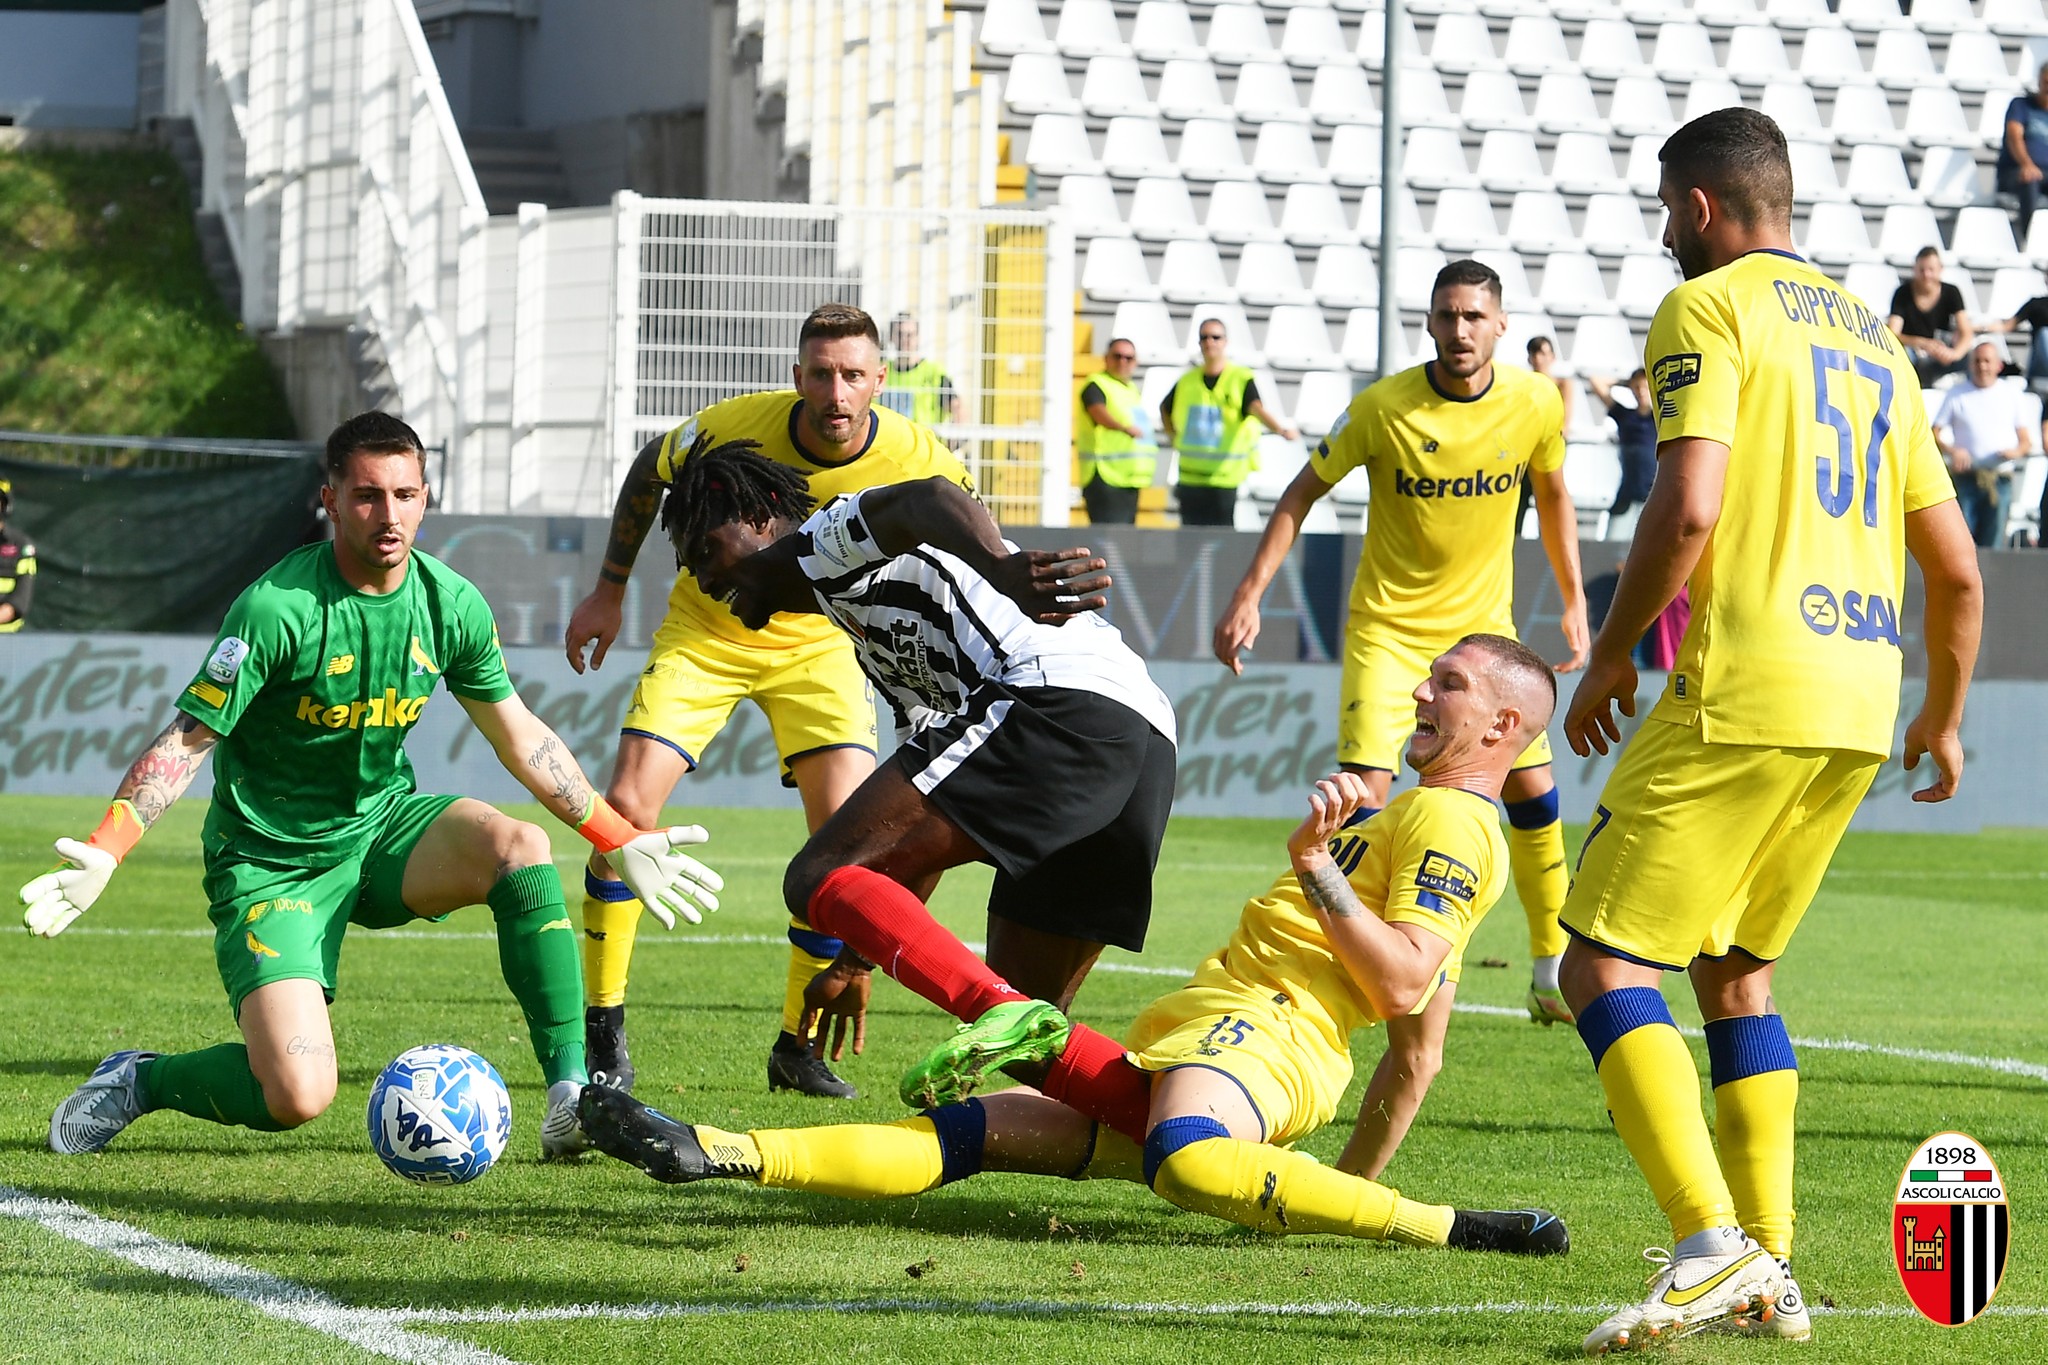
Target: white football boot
[1693,1294]
[561,1135]
[97,1111]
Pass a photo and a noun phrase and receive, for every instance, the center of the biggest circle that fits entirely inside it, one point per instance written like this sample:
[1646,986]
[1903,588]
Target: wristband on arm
[604,827]
[119,830]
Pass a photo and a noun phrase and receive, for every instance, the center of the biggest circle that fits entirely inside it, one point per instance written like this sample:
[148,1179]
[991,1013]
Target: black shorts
[1067,792]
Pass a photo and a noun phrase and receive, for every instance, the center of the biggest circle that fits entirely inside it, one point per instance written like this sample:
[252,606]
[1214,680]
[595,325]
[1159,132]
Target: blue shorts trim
[1616,952]
[688,757]
[1204,1066]
[789,761]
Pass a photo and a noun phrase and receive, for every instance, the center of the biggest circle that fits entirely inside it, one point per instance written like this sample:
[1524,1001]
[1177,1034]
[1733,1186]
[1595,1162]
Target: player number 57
[1835,480]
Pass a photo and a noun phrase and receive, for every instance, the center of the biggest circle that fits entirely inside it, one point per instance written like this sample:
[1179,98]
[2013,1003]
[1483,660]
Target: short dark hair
[1924,252]
[1517,658]
[373,433]
[1471,272]
[1740,155]
[715,486]
[1638,373]
[1540,343]
[832,321]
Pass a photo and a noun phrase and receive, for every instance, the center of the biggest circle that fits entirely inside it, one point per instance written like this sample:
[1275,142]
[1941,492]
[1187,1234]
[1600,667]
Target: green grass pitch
[1916,942]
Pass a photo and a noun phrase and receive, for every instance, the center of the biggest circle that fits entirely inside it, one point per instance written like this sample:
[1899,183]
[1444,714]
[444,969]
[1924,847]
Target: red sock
[890,927]
[1092,1076]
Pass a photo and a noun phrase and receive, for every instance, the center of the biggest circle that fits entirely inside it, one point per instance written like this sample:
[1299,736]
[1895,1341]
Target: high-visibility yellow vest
[917,393]
[1121,461]
[1216,440]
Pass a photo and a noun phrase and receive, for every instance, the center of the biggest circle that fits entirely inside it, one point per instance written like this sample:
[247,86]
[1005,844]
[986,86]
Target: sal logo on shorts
[1446,876]
[227,659]
[1670,374]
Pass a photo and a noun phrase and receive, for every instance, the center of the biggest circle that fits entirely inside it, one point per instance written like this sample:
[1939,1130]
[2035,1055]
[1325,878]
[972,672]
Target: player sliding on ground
[322,667]
[1253,1054]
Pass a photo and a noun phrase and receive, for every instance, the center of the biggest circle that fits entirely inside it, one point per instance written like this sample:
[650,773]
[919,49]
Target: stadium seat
[1614,226]
[1535,46]
[1836,235]
[1242,348]
[1813,170]
[1346,276]
[1976,61]
[1508,161]
[1209,150]
[1285,154]
[1983,240]
[1724,14]
[1037,84]
[2015,18]
[1870,16]
[1564,104]
[1525,324]
[1906,228]
[1321,400]
[2011,287]
[1572,286]
[1539,225]
[1514,278]
[1192,272]
[1415,271]
[1188,89]
[1829,58]
[1342,95]
[1796,16]
[1877,176]
[1115,271]
[1238,34]
[1361,347]
[1133,149]
[1603,345]
[1966,285]
[1683,51]
[1790,103]
[1608,49]
[1706,94]
[1644,169]
[1756,54]
[1434,158]
[1934,118]
[1238,212]
[1462,42]
[1058,145]
[1010,27]
[1115,86]
[1991,115]
[1640,106]
[1355,155]
[1592,474]
[1584,164]
[1313,215]
[1161,210]
[1163,32]
[1872,281]
[1901,58]
[1298,339]
[1464,221]
[1312,37]
[1089,202]
[1863,113]
[1088,28]
[1423,102]
[1493,99]
[1411,216]
[1150,328]
[1644,281]
[1372,44]
[2036,245]
[1265,94]
[1268,276]
[1945,16]
[1948,177]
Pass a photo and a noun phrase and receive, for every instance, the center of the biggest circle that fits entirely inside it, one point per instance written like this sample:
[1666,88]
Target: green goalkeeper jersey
[313,687]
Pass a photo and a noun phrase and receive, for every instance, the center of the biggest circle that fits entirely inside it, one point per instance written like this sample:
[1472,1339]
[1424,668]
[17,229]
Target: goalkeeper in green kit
[321,668]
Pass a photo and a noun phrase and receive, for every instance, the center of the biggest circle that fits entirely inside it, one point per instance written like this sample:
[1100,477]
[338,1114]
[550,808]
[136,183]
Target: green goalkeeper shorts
[278,923]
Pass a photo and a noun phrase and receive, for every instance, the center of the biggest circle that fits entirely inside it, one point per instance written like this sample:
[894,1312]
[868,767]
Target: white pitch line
[373,1330]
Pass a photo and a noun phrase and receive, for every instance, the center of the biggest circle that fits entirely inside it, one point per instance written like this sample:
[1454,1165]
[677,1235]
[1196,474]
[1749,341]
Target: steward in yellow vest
[1114,437]
[1209,416]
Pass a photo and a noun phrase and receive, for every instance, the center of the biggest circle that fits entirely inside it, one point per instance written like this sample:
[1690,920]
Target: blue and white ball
[439,1115]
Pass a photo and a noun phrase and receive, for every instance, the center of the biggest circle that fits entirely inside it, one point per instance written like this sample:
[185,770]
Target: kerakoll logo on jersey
[1950,1229]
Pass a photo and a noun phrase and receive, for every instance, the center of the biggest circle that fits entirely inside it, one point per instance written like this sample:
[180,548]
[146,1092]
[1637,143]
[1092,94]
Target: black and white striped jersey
[928,630]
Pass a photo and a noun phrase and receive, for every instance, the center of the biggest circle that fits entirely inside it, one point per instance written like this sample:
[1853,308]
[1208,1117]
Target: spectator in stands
[17,568]
[1636,433]
[1927,314]
[1543,360]
[2024,152]
[1208,419]
[1118,453]
[2032,314]
[1981,428]
[915,386]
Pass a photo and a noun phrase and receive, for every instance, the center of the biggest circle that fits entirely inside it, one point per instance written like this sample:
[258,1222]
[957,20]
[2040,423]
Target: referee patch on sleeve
[1670,374]
[1446,876]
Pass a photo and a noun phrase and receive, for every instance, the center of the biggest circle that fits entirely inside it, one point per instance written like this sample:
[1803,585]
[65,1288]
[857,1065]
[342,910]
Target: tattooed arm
[597,618]
[535,755]
[165,769]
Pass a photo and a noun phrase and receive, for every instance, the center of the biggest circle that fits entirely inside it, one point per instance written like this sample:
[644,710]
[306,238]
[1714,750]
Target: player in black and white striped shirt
[1032,739]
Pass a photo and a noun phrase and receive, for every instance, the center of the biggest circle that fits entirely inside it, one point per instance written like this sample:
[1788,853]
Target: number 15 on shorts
[1225,1032]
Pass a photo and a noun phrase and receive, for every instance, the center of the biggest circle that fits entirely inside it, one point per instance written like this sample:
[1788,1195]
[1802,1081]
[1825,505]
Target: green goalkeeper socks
[538,954]
[214,1084]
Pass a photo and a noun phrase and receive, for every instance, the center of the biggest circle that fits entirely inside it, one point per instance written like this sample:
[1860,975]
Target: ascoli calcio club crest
[1950,1229]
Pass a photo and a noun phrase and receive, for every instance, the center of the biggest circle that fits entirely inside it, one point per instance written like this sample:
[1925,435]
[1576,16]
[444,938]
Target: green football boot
[1019,1031]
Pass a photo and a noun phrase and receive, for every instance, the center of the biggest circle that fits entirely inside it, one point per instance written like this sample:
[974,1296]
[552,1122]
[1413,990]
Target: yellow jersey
[1445,472]
[897,450]
[1794,640]
[1434,857]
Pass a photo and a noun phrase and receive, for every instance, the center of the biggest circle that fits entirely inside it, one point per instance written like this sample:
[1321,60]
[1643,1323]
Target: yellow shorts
[1287,1067]
[1697,849]
[815,697]
[1376,711]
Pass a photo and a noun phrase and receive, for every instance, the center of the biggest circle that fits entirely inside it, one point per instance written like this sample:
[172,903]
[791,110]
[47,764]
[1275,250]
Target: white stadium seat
[1192,272]
[1037,84]
[1592,474]
[1643,283]
[1355,155]
[1435,158]
[1415,271]
[1877,175]
[1423,102]
[1706,94]
[1756,54]
[1934,118]
[1297,338]
[1813,170]
[1133,148]
[1535,46]
[1059,146]
[1286,154]
[1209,150]
[1462,43]
[1188,89]
[1493,99]
[1150,328]
[1837,235]
[1323,396]
[1641,106]
[1976,61]
[1508,161]
[1464,221]
[1312,37]
[1341,94]
[1983,240]
[1346,276]
[1242,348]
[1572,286]
[1991,116]
[1525,324]
[1829,57]
[1115,85]
[1088,28]
[1411,216]
[1161,210]
[2010,288]
[1901,58]
[1870,15]
[1238,213]
[1266,94]
[1163,32]
[1372,42]
[1584,164]
[1609,50]
[1614,226]
[1237,34]
[1564,104]
[1603,345]
[1724,13]
[1514,278]
[1948,177]
[1790,104]
[1863,113]
[1089,202]
[1649,13]
[1872,281]
[1906,229]
[1946,16]
[2037,237]
[1115,270]
[1313,215]
[1684,50]
[1538,224]
[1644,169]
[1796,16]
[1268,276]
[2015,18]
[1009,27]
[1361,343]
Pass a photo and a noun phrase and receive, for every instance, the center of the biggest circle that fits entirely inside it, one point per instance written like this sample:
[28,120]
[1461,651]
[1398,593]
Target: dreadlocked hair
[716,486]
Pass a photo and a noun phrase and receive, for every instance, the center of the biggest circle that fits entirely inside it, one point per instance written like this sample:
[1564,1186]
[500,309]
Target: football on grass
[439,1115]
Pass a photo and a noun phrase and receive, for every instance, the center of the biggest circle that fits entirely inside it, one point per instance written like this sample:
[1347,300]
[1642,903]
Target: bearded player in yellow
[1795,472]
[1446,446]
[799,670]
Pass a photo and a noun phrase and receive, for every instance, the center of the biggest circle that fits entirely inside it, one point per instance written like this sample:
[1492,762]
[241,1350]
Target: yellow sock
[609,927]
[854,1160]
[1115,1157]
[1753,1124]
[802,967]
[1278,1191]
[1536,857]
[1653,1096]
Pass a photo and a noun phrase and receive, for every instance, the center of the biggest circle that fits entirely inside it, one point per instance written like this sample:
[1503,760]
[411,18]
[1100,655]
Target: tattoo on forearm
[1328,891]
[639,503]
[555,765]
[160,776]
[302,1046]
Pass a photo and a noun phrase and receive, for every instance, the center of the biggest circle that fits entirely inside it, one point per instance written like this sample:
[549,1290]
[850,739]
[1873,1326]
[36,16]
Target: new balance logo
[1465,486]
[340,664]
